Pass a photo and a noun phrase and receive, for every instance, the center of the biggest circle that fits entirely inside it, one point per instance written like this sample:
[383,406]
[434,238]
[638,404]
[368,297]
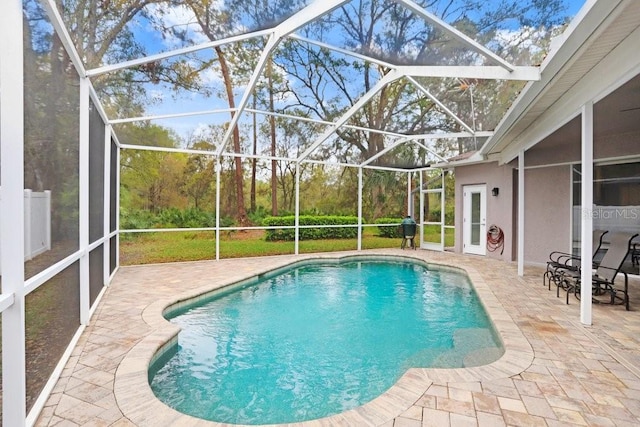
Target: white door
[474,227]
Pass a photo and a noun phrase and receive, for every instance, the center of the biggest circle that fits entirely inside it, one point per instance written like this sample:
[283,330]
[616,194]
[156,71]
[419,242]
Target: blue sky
[194,102]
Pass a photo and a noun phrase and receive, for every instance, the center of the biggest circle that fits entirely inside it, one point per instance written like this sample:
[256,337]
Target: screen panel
[96,273]
[96,174]
[52,314]
[51,144]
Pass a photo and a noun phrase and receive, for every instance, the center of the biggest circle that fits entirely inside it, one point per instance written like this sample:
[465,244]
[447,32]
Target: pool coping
[139,404]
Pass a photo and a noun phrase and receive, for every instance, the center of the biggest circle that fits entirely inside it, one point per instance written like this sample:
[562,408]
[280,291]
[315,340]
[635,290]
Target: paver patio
[555,371]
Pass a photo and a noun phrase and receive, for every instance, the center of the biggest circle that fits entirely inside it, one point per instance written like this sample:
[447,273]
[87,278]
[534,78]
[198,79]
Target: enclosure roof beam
[450,135]
[343,51]
[314,11]
[432,152]
[414,139]
[441,105]
[385,80]
[324,122]
[171,116]
[248,110]
[250,156]
[370,167]
[384,151]
[482,72]
[460,36]
[183,51]
[61,30]
[306,15]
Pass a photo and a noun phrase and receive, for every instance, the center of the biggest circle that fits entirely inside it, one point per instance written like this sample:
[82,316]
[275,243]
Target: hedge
[392,231]
[311,233]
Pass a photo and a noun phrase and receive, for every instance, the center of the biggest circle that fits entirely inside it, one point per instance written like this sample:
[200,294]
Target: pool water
[318,340]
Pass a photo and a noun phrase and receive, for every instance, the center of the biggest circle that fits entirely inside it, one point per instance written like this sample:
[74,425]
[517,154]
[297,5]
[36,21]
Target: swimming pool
[319,339]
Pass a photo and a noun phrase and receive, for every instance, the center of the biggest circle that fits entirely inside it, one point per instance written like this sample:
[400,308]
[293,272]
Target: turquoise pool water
[318,340]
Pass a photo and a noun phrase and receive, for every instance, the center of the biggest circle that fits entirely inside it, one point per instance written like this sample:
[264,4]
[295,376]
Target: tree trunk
[241,213]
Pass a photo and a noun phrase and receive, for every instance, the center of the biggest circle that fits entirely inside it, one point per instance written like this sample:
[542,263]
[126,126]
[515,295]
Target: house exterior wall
[547,192]
[626,144]
[547,200]
[499,208]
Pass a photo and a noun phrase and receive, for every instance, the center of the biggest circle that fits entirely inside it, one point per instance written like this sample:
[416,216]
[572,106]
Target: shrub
[311,233]
[170,218]
[187,218]
[391,231]
[136,219]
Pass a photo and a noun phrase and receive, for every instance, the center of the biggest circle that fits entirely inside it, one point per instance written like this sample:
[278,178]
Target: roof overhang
[594,55]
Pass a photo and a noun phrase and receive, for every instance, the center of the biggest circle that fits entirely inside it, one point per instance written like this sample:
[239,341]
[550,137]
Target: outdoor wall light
[495,191]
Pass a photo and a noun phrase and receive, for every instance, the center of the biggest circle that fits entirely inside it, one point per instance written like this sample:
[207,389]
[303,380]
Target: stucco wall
[547,212]
[547,201]
[547,191]
[499,208]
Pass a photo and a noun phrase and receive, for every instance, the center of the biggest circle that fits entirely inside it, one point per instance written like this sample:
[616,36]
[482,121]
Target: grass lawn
[147,248]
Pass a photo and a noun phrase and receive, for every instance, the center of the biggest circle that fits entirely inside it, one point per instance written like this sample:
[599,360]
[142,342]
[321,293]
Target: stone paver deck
[555,370]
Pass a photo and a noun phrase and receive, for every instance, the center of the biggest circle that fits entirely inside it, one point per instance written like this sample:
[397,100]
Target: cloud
[178,17]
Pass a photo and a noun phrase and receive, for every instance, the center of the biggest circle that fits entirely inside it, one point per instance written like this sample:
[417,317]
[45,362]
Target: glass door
[474,219]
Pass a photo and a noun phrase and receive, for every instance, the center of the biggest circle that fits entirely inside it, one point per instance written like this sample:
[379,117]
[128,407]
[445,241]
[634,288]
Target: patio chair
[603,279]
[562,261]
[408,233]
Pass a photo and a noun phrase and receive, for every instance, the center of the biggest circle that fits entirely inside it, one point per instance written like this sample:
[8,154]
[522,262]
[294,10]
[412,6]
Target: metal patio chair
[562,261]
[604,277]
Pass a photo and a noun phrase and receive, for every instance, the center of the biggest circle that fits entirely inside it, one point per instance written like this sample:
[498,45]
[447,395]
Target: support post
[297,218]
[83,200]
[218,167]
[118,157]
[421,220]
[360,208]
[442,211]
[106,246]
[586,242]
[12,220]
[521,213]
[409,210]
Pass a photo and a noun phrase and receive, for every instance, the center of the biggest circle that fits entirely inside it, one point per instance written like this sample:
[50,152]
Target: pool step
[481,345]
[471,347]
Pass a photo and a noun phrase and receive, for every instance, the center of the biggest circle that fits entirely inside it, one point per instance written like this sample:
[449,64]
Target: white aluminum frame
[106,249]
[13,293]
[586,201]
[521,213]
[83,209]
[15,287]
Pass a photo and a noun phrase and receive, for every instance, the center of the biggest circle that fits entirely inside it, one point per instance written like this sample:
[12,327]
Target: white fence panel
[37,222]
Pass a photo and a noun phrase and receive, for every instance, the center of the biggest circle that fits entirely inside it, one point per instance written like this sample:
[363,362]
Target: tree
[214,24]
[321,81]
[198,174]
[153,179]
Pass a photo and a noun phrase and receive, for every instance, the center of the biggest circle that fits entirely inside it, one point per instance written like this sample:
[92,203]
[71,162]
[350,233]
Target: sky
[194,102]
